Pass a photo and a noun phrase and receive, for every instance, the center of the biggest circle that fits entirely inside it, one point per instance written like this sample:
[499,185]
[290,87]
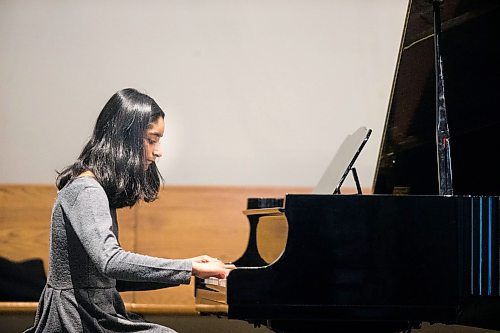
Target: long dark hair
[115,152]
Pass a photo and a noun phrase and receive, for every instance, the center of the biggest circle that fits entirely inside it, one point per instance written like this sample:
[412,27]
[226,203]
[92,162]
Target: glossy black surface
[470,51]
[382,260]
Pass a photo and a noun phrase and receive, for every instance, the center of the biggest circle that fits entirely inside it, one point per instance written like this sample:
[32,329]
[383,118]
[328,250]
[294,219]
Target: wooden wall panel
[25,221]
[185,221]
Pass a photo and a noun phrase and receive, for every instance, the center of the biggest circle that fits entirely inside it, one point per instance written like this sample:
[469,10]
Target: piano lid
[407,162]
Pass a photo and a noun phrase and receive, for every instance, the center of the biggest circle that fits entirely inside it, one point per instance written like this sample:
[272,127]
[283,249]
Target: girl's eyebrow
[155,134]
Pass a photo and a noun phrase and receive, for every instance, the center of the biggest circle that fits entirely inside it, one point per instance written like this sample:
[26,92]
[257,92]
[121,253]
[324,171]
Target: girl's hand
[204,258]
[205,267]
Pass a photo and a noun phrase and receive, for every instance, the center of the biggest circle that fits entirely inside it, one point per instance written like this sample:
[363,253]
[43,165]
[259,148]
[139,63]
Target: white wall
[257,92]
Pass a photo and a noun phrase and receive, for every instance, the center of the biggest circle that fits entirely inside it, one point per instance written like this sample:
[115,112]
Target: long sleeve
[122,285]
[90,217]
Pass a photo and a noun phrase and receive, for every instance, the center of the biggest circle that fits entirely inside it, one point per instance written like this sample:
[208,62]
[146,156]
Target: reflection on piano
[405,254]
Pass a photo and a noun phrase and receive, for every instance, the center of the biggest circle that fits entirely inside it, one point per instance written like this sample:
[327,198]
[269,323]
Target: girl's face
[152,149]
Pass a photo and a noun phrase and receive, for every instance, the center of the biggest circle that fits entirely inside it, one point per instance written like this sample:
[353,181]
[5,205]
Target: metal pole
[442,131]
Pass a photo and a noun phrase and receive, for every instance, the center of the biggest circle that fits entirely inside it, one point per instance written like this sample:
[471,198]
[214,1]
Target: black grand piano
[425,245]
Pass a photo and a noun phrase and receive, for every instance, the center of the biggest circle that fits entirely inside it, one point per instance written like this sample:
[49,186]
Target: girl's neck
[87,173]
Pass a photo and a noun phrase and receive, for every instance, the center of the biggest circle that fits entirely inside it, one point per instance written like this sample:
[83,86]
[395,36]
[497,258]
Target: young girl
[87,266]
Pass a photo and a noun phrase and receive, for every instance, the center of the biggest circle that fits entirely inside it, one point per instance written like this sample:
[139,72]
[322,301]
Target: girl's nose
[158,152]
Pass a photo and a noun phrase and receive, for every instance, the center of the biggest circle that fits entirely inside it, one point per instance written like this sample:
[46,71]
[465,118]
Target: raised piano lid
[470,49]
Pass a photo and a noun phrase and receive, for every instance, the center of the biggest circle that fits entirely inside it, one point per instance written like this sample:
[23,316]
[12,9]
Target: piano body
[406,254]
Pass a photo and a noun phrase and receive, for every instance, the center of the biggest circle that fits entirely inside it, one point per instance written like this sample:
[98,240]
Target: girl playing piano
[87,266]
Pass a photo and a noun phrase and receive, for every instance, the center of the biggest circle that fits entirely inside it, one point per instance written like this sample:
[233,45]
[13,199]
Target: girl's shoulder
[81,182]
[72,189]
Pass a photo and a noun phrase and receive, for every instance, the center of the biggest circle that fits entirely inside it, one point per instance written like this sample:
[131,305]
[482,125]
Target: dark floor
[14,323]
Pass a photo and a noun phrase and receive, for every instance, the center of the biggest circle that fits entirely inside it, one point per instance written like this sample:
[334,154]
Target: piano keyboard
[211,296]
[216,282]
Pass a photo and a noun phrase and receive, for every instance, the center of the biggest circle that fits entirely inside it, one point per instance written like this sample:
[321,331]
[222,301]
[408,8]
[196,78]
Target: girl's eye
[150,141]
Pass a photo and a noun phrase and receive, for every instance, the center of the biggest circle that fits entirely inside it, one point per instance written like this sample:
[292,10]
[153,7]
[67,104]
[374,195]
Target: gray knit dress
[85,263]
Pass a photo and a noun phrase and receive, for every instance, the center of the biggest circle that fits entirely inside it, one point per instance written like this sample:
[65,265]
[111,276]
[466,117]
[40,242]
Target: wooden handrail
[170,309]
[18,307]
